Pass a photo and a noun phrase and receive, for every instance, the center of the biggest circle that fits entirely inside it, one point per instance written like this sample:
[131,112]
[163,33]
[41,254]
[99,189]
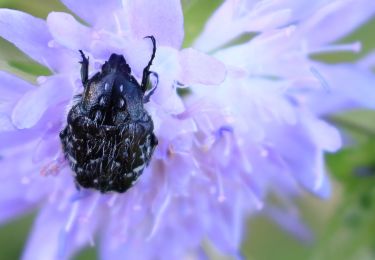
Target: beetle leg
[78,187]
[146,70]
[147,96]
[84,68]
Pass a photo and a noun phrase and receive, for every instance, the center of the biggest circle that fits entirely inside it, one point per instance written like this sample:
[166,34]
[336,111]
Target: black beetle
[109,139]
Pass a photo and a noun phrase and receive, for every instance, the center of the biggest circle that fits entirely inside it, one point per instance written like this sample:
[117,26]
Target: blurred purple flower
[222,149]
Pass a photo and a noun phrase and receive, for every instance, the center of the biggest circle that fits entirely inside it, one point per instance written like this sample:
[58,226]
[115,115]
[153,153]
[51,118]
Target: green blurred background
[344,226]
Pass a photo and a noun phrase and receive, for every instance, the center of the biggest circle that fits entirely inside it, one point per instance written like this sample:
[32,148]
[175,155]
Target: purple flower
[248,128]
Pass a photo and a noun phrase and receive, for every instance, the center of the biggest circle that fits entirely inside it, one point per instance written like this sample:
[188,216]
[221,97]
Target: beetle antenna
[146,70]
[84,68]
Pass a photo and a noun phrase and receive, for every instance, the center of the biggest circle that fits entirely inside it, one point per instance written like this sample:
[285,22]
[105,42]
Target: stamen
[54,167]
[252,190]
[246,165]
[158,216]
[112,200]
[72,217]
[90,210]
[79,195]
[221,198]
[321,79]
[118,24]
[349,47]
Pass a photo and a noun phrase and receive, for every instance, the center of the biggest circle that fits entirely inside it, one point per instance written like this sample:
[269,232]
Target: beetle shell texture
[109,139]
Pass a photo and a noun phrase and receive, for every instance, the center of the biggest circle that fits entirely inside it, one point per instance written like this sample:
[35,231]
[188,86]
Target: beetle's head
[116,63]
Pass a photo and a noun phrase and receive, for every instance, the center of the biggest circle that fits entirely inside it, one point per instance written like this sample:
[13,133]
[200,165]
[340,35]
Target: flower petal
[290,221]
[47,230]
[9,139]
[49,146]
[197,67]
[161,18]
[5,123]
[166,66]
[68,32]
[257,56]
[327,24]
[310,171]
[12,87]
[230,227]
[31,107]
[92,11]
[325,136]
[237,17]
[350,87]
[64,225]
[31,36]
[368,61]
[11,208]
[18,173]
[233,22]
[303,151]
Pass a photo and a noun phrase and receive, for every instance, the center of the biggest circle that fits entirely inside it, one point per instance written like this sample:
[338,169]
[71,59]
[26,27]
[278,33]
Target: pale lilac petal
[48,147]
[31,107]
[349,87]
[166,65]
[10,195]
[310,173]
[15,177]
[314,178]
[12,209]
[300,9]
[11,138]
[12,169]
[269,54]
[226,24]
[49,123]
[197,67]
[327,24]
[368,61]
[12,87]
[108,252]
[31,36]
[137,53]
[161,18]
[26,32]
[235,18]
[48,230]
[64,226]
[167,98]
[92,11]
[291,222]
[303,155]
[213,37]
[228,236]
[6,123]
[325,135]
[67,31]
